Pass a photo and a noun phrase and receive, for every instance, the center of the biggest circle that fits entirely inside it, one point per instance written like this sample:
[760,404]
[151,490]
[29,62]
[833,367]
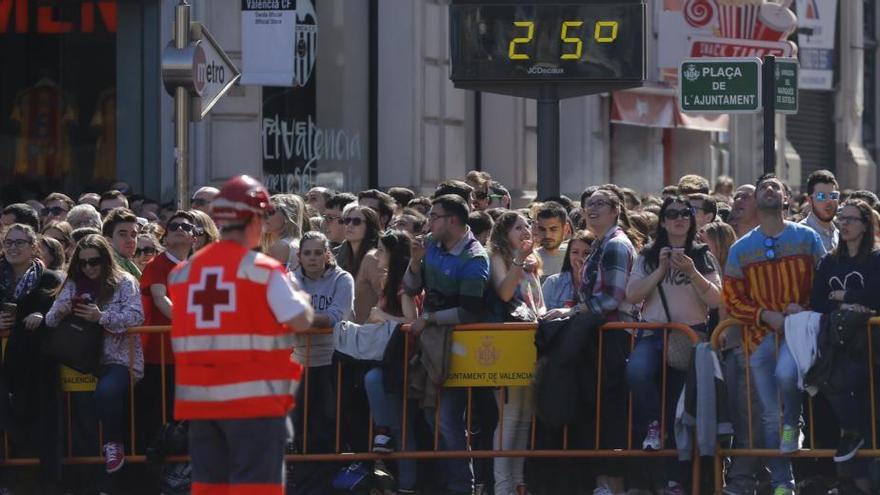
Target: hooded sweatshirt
[332,295]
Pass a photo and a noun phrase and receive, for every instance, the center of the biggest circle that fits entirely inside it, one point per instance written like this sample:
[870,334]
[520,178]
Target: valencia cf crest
[306,40]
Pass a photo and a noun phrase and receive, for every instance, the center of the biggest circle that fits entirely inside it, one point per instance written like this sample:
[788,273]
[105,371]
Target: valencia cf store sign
[57,16]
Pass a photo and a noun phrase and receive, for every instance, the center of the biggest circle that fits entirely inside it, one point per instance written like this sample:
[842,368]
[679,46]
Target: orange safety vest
[233,359]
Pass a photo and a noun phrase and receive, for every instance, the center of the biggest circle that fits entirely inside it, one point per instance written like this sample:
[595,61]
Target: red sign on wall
[57,16]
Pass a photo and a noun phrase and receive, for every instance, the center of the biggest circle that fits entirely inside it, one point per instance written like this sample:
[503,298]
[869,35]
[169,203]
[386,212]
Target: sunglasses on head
[823,196]
[93,262]
[354,221]
[147,251]
[676,214]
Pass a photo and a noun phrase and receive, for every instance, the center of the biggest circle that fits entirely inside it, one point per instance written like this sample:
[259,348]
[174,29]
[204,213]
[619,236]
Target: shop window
[57,97]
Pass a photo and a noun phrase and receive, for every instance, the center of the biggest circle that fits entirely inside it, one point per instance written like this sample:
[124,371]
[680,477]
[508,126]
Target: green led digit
[601,37]
[578,43]
[530,34]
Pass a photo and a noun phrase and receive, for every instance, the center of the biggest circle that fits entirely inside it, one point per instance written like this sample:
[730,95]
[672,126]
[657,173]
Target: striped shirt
[754,282]
[454,281]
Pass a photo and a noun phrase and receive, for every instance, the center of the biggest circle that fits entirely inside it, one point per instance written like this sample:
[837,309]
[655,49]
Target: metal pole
[182,110]
[769,96]
[548,144]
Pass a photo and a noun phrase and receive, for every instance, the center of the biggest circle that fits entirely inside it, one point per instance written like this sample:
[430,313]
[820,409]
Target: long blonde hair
[292,208]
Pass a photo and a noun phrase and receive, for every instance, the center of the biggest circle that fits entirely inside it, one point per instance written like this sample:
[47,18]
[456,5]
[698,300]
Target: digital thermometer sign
[519,42]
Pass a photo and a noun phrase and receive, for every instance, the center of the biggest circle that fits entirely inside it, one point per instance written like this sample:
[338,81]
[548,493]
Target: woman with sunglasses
[674,280]
[849,277]
[99,291]
[148,246]
[283,228]
[357,256]
[206,232]
[27,289]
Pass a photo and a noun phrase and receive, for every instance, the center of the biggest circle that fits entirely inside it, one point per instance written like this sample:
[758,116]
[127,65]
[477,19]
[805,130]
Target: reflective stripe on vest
[234,391]
[197,343]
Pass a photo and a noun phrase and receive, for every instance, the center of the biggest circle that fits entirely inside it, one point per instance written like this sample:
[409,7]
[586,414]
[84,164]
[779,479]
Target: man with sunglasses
[234,315]
[769,275]
[156,301]
[824,199]
[332,226]
[121,230]
[202,198]
[57,207]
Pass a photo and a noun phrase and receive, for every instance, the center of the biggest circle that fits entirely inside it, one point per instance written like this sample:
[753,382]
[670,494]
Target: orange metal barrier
[717,336]
[434,451]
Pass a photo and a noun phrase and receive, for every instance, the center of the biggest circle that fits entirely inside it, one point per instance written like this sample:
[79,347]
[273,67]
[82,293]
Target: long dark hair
[584,236]
[111,274]
[867,246]
[350,261]
[397,244]
[651,253]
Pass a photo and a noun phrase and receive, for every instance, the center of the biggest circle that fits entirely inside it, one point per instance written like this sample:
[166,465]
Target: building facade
[375,107]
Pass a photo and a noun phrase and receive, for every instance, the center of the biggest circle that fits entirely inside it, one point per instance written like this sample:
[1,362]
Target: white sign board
[816,34]
[268,30]
[215,72]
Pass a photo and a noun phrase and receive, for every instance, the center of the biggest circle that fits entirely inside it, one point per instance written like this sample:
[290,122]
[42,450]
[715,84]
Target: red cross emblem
[210,298]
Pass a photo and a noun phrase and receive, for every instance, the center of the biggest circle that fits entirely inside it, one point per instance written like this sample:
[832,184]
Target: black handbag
[75,343]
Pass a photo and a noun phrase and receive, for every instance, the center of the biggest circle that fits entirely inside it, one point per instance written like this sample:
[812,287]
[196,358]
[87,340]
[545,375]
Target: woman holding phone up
[98,291]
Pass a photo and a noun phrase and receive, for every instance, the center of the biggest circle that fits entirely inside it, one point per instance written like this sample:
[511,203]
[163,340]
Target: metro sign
[33,17]
[214,73]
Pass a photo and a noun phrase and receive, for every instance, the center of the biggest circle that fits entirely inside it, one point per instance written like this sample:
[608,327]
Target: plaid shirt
[605,275]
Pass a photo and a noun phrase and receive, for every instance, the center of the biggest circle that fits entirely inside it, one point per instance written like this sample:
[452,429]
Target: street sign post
[197,72]
[786,76]
[721,85]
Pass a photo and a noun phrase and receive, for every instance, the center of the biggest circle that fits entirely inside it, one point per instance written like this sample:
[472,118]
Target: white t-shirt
[285,302]
[685,305]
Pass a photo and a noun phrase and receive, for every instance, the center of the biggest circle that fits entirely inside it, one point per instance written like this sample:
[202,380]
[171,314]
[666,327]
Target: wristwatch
[427,316]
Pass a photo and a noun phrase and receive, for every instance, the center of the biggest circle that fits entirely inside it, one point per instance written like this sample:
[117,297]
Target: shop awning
[657,107]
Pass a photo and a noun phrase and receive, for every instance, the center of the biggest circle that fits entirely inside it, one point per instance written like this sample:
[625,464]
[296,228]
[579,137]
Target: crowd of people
[781,263]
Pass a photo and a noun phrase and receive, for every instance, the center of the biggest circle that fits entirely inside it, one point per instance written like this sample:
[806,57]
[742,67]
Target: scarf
[25,285]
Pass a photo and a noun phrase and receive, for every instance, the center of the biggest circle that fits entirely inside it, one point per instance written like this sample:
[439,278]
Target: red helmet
[239,199]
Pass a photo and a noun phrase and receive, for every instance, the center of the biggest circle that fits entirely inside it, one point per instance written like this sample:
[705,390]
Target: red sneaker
[114,456]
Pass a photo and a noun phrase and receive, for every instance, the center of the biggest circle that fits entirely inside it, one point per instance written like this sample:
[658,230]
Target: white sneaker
[652,438]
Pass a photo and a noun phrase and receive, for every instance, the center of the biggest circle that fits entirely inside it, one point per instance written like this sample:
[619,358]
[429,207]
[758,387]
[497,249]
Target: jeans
[453,401]
[772,377]
[644,375]
[110,397]
[516,422]
[386,408]
[742,470]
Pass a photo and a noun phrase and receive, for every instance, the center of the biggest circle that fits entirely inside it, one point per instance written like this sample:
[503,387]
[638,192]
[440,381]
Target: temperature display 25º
[591,42]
